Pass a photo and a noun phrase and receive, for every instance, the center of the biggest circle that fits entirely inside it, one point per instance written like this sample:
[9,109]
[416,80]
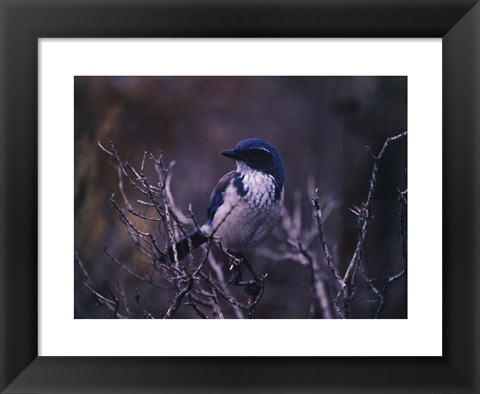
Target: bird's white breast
[243,222]
[260,189]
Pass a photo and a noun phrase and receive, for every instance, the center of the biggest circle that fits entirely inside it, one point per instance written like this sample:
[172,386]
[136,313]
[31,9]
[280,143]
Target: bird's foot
[253,288]
[237,274]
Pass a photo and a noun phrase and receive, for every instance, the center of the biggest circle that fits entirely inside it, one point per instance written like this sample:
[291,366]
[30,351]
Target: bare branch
[323,241]
[115,299]
[364,217]
[178,298]
[195,307]
[221,279]
[83,269]
[144,278]
[145,314]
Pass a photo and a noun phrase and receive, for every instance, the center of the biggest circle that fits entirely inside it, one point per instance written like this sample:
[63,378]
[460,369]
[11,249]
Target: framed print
[271,94]
[239,65]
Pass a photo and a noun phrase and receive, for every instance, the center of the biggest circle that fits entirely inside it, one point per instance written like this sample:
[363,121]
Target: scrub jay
[246,203]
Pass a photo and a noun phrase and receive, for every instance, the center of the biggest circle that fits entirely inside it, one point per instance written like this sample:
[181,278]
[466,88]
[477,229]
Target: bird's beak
[232,154]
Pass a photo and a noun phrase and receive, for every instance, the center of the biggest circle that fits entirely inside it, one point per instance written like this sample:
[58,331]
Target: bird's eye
[257,153]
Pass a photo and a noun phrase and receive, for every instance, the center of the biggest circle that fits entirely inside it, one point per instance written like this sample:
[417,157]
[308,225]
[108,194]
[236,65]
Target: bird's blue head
[258,155]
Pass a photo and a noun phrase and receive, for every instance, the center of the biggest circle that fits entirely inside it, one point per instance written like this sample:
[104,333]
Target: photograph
[240,197]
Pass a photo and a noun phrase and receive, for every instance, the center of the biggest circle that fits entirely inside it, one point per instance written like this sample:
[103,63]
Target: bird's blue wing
[218,194]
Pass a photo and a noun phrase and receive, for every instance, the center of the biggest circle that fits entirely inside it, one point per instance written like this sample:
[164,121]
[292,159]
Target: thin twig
[363,216]
[178,298]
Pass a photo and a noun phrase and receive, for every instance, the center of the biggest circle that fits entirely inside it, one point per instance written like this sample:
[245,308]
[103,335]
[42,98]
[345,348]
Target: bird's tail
[182,247]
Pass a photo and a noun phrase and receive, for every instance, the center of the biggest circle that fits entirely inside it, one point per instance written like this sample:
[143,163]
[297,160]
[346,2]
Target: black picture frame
[457,22]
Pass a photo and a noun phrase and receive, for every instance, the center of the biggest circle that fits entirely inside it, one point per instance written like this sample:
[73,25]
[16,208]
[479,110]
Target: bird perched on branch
[246,203]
